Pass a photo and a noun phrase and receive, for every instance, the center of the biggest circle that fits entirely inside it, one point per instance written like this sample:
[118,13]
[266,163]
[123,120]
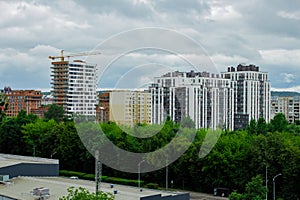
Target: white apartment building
[251,94]
[74,86]
[82,90]
[206,98]
[130,107]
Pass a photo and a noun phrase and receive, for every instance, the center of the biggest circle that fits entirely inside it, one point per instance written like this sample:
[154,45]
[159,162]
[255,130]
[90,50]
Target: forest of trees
[237,157]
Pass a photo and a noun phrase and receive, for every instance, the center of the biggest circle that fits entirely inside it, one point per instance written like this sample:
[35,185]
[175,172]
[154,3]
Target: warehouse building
[14,165]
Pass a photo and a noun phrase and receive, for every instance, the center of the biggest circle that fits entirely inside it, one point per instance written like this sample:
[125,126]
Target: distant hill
[284,94]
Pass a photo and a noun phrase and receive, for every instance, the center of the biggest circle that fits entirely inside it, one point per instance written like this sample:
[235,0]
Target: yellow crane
[62,56]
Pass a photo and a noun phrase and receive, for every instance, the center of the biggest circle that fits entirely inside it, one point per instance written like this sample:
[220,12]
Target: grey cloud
[230,32]
[126,8]
[288,78]
[181,7]
[261,17]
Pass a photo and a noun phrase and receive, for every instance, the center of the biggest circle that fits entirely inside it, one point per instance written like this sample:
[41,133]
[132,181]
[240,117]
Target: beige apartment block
[130,107]
[287,105]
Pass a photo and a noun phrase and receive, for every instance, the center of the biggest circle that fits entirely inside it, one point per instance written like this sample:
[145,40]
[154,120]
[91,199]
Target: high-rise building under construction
[74,85]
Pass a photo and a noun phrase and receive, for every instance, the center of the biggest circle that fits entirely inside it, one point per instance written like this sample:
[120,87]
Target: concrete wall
[185,196]
[30,169]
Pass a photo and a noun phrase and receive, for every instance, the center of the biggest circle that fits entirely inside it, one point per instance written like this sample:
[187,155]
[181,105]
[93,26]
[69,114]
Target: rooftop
[244,67]
[9,160]
[22,187]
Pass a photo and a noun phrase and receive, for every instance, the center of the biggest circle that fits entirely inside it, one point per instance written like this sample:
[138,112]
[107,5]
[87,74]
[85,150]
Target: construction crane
[62,56]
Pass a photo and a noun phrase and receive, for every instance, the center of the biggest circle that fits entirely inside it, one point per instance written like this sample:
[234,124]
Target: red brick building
[102,110]
[40,112]
[18,100]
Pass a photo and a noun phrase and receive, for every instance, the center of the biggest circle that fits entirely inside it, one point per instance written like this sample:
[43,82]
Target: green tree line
[237,157]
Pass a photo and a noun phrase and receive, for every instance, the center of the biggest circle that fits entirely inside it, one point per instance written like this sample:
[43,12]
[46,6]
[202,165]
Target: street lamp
[139,172]
[53,154]
[33,150]
[274,197]
[266,182]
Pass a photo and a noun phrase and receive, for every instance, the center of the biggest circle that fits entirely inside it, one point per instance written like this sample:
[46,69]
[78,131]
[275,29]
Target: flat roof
[22,187]
[9,160]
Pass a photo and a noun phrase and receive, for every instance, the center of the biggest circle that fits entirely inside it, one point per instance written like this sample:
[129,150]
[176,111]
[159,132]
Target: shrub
[85,176]
[152,185]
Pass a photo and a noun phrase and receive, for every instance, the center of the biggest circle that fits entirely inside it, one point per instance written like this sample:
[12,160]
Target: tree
[252,127]
[187,122]
[41,137]
[55,112]
[11,136]
[227,164]
[262,127]
[254,190]
[236,196]
[278,123]
[281,152]
[293,129]
[83,194]
[3,106]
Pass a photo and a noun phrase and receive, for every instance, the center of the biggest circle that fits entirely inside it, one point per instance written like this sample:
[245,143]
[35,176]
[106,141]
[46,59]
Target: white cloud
[221,60]
[281,56]
[289,15]
[288,89]
[223,13]
[288,78]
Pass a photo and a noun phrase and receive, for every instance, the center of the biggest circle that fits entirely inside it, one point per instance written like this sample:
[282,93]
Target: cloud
[288,78]
[26,69]
[289,89]
[289,15]
[222,13]
[281,56]
[125,8]
[222,60]
[230,32]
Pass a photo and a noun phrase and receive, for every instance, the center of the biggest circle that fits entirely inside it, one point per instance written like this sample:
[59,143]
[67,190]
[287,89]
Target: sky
[228,32]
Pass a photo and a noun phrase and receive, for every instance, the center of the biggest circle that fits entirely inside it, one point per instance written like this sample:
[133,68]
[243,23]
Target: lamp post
[53,154]
[266,182]
[33,150]
[274,195]
[139,173]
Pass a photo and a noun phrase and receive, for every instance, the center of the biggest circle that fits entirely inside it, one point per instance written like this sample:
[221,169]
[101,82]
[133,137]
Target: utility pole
[139,172]
[98,168]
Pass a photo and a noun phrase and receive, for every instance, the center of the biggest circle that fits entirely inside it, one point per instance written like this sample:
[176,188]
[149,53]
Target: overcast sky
[261,32]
